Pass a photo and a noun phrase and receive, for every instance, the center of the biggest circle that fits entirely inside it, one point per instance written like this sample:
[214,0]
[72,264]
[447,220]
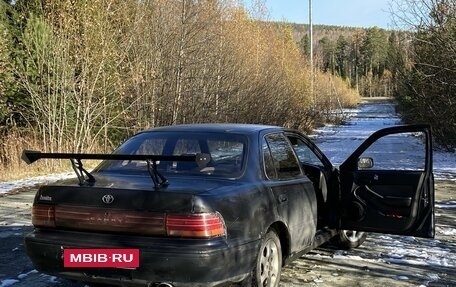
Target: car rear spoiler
[30,156]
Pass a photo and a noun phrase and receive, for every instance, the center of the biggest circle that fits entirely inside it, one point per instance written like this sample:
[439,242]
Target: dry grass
[27,172]
[334,93]
[12,167]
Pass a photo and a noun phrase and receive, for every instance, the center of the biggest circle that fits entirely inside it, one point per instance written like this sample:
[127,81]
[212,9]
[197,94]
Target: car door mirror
[365,162]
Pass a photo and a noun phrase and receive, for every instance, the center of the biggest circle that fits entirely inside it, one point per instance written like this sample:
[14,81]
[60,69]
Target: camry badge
[107,198]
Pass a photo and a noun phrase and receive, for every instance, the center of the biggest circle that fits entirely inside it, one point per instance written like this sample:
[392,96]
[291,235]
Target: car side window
[268,163]
[304,152]
[283,159]
[401,151]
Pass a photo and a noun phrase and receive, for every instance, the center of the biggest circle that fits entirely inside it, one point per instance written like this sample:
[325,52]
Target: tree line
[84,75]
[427,89]
[370,59]
[416,64]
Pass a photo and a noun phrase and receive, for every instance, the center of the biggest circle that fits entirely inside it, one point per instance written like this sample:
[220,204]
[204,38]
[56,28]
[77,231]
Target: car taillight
[203,225]
[110,220]
[43,215]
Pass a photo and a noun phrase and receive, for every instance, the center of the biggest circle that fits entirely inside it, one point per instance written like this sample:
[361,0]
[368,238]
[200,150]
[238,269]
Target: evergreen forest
[415,64]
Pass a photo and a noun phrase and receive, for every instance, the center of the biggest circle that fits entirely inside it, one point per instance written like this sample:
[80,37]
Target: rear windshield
[227,153]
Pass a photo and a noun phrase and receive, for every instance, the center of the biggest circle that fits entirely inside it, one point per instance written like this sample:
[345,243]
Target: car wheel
[347,239]
[268,267]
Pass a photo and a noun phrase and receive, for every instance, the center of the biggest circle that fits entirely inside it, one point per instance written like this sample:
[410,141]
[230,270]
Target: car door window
[304,153]
[403,151]
[283,159]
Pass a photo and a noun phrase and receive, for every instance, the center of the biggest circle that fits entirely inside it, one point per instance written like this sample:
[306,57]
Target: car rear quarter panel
[246,209]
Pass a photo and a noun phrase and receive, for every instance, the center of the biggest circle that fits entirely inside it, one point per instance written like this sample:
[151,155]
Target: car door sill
[322,236]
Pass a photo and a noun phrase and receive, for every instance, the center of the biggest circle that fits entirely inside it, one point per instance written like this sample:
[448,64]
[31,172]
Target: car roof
[215,127]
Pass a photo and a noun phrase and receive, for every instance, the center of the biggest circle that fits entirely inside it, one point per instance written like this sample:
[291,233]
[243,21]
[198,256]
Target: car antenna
[158,179]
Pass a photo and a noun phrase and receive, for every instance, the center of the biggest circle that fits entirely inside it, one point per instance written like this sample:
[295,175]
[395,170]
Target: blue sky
[356,13]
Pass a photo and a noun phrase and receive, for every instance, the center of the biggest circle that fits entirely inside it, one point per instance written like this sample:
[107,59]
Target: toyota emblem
[107,198]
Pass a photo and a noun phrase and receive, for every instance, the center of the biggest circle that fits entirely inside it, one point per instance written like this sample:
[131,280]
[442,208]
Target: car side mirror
[365,162]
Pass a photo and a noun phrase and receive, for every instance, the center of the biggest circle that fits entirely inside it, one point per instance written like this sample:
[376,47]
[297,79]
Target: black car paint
[180,262]
[250,205]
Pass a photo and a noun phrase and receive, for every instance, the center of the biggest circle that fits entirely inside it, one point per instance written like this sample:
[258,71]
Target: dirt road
[385,260]
[381,261]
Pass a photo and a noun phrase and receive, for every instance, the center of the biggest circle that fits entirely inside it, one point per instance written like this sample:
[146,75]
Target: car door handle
[283,198]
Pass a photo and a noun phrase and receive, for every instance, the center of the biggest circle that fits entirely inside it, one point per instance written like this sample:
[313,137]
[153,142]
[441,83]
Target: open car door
[387,184]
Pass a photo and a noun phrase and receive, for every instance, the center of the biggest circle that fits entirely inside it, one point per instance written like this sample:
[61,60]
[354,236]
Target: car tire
[268,266]
[348,239]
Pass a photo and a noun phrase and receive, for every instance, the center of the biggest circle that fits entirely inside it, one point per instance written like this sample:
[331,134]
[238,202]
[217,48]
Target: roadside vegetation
[427,90]
[415,63]
[82,76]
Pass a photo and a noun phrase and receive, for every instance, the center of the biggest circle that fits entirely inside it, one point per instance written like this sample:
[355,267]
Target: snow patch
[420,254]
[446,231]
[433,276]
[384,237]
[406,261]
[412,251]
[447,204]
[8,282]
[17,224]
[53,279]
[402,277]
[342,256]
[23,275]
[27,182]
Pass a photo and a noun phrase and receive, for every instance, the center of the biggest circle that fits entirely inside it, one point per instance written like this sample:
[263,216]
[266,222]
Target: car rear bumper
[180,262]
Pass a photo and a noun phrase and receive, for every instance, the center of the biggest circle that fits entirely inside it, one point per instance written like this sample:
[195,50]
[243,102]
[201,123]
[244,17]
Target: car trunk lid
[106,207]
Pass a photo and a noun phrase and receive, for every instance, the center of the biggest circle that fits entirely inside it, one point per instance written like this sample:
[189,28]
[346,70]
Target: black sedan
[223,204]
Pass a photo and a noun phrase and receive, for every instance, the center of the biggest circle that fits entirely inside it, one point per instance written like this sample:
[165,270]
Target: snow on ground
[52,280]
[27,182]
[446,230]
[23,275]
[8,282]
[401,250]
[424,252]
[447,204]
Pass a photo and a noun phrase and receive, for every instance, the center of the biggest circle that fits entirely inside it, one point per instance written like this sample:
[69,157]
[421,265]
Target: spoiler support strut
[81,172]
[158,179]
